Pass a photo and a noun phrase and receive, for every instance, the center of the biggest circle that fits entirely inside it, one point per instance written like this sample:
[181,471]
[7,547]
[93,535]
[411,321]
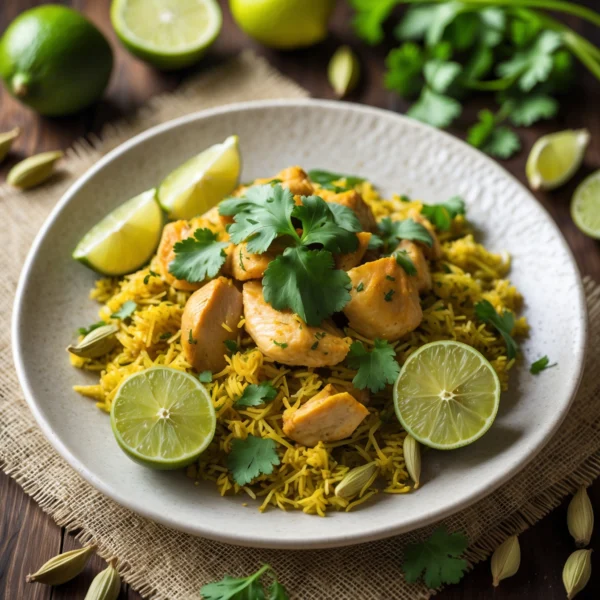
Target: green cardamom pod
[106,585]
[580,518]
[355,480]
[97,342]
[577,572]
[6,140]
[62,568]
[343,71]
[412,458]
[33,170]
[506,559]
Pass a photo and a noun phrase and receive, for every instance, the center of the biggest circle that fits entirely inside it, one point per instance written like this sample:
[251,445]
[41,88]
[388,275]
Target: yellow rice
[306,478]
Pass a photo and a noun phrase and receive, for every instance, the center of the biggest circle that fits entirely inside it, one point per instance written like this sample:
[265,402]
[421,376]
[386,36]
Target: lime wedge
[585,206]
[446,395]
[163,418]
[555,158]
[201,182]
[170,34]
[125,239]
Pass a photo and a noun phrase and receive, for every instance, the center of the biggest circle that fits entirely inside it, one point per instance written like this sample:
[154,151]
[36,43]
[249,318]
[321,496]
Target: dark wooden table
[28,537]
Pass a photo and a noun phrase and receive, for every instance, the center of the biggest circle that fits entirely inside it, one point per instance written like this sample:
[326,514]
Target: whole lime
[54,60]
[284,24]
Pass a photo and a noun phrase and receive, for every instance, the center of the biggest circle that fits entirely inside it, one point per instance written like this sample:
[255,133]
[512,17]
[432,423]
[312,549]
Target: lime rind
[163,418]
[585,206]
[447,395]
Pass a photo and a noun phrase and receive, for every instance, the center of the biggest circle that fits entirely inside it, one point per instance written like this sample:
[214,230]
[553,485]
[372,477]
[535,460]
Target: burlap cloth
[166,564]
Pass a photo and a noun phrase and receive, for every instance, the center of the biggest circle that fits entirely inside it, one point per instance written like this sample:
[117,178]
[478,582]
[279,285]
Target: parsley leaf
[324,178]
[231,345]
[436,109]
[528,110]
[404,66]
[374,368]
[244,588]
[205,377]
[441,215]
[541,364]
[504,324]
[306,281]
[404,260]
[86,330]
[438,558]
[408,229]
[251,457]
[198,256]
[255,395]
[126,310]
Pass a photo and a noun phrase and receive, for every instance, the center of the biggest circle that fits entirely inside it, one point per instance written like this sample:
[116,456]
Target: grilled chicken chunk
[247,265]
[284,337]
[296,180]
[328,416]
[387,305]
[202,333]
[354,201]
[415,253]
[435,251]
[345,262]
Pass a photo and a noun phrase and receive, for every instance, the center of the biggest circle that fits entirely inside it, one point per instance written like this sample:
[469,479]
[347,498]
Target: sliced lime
[125,239]
[585,206]
[170,34]
[201,182]
[163,418]
[446,395]
[555,158]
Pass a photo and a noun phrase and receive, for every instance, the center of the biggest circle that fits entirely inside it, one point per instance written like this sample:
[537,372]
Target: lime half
[446,395]
[163,418]
[555,158]
[125,239]
[170,34]
[585,206]
[201,182]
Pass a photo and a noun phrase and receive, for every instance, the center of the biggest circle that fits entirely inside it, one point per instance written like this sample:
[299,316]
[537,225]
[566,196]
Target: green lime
[125,239]
[284,24]
[54,60]
[163,418]
[446,395]
[555,158]
[201,182]
[585,206]
[169,34]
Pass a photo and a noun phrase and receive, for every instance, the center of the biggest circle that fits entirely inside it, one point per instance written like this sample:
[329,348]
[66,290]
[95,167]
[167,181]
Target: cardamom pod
[577,572]
[6,140]
[106,585]
[62,568]
[33,170]
[506,559]
[355,480]
[343,71]
[580,518]
[97,342]
[412,458]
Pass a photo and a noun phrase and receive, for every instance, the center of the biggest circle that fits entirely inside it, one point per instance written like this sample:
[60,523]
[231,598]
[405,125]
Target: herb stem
[582,54]
[493,85]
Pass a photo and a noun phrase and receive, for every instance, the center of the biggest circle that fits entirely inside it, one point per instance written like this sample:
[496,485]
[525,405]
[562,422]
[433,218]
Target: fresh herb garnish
[314,346]
[360,287]
[405,261]
[389,295]
[282,345]
[126,310]
[255,395]
[491,137]
[541,364]
[408,229]
[165,336]
[390,278]
[245,588]
[374,368]
[86,330]
[150,274]
[437,559]
[198,256]
[191,339]
[326,179]
[251,457]
[231,345]
[441,215]
[205,376]
[485,312]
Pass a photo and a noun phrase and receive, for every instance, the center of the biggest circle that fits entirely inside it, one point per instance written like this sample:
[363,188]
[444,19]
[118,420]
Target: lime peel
[585,206]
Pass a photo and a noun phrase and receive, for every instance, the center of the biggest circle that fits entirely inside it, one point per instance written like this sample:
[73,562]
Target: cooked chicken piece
[415,253]
[227,268]
[202,332]
[435,251]
[328,416]
[247,265]
[345,262]
[284,337]
[296,180]
[384,300]
[354,201]
[218,221]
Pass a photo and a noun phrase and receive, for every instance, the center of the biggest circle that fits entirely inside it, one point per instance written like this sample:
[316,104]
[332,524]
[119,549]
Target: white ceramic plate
[399,155]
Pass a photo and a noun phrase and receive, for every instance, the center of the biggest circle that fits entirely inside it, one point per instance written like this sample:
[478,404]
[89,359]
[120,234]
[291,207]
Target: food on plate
[292,306]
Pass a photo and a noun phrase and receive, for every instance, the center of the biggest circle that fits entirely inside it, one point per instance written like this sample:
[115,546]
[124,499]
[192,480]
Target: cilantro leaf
[307,282]
[234,588]
[198,256]
[440,74]
[324,178]
[255,395]
[375,242]
[345,217]
[436,109]
[503,143]
[504,324]
[493,21]
[86,330]
[528,110]
[441,18]
[404,260]
[541,364]
[277,592]
[441,215]
[480,132]
[374,368]
[369,18]
[251,457]
[415,23]
[404,66]
[479,64]
[438,558]
[126,310]
[231,345]
[205,376]
[408,229]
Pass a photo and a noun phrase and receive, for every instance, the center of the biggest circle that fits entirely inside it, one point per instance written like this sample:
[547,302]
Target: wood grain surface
[28,537]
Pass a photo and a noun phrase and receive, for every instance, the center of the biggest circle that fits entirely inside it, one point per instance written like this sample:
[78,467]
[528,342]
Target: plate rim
[268,541]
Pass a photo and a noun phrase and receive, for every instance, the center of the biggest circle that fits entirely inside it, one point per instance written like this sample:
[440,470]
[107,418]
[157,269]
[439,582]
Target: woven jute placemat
[164,564]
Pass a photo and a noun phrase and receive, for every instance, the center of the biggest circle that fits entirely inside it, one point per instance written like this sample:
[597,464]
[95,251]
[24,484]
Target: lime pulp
[585,206]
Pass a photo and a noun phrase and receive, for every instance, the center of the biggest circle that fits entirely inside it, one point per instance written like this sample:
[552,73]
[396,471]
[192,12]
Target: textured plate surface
[397,154]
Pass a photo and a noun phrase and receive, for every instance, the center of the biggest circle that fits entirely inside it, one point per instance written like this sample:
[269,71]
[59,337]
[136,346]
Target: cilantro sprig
[198,257]
[504,324]
[251,457]
[391,232]
[541,364]
[255,395]
[441,215]
[374,368]
[245,588]
[126,310]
